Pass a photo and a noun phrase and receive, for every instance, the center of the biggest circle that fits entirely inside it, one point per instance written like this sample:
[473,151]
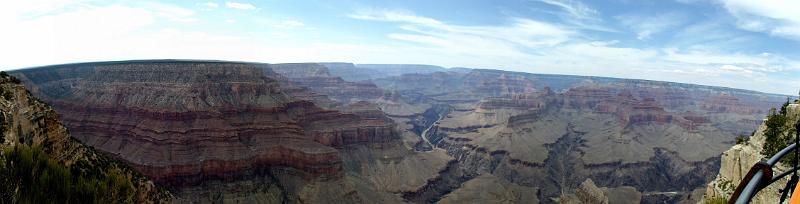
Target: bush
[779,134]
[39,179]
[741,139]
[11,78]
[716,200]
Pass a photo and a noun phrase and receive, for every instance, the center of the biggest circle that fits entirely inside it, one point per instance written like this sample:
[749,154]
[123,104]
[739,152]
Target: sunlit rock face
[737,161]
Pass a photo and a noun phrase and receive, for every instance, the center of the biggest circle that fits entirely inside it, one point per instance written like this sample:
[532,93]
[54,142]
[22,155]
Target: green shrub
[716,200]
[39,179]
[741,139]
[779,133]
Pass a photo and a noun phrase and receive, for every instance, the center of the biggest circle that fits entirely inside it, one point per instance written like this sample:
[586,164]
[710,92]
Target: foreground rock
[738,160]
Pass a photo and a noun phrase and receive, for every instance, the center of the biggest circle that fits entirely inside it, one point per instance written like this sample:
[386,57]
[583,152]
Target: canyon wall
[26,121]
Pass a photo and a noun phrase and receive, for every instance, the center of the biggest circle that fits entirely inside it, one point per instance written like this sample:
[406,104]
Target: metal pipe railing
[756,178]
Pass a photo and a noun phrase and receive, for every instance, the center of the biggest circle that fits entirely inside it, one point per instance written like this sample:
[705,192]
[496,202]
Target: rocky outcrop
[588,193]
[737,161]
[27,121]
[487,188]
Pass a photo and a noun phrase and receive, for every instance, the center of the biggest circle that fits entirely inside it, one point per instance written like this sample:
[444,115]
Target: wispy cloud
[392,16]
[173,12]
[290,24]
[573,8]
[241,6]
[535,46]
[647,25]
[562,39]
[211,5]
[775,17]
[577,14]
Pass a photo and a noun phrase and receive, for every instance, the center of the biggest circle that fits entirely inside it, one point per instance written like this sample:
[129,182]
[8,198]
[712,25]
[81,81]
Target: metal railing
[761,175]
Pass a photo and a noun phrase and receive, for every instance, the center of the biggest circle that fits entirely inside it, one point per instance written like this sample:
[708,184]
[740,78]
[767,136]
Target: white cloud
[82,34]
[776,17]
[230,21]
[393,16]
[241,6]
[577,14]
[573,8]
[211,4]
[75,32]
[291,24]
[647,25]
[172,12]
[534,46]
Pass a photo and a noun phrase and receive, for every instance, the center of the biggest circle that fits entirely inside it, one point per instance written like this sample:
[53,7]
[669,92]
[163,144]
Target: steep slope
[26,122]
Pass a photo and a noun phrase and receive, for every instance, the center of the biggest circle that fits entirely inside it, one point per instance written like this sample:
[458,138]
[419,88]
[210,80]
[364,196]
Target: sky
[733,43]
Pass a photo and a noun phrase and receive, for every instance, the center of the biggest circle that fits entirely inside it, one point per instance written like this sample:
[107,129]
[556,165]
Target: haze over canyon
[221,131]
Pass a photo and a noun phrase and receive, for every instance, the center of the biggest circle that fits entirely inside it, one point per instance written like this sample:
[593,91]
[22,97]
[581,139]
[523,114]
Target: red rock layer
[177,121]
[517,101]
[728,103]
[628,108]
[498,84]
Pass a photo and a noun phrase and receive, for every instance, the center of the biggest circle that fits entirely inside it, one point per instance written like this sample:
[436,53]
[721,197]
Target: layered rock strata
[25,120]
[184,122]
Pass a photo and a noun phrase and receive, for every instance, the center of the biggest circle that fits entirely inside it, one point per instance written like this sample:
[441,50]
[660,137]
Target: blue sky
[735,43]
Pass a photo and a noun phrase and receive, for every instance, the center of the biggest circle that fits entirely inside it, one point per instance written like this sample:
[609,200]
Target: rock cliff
[737,161]
[27,121]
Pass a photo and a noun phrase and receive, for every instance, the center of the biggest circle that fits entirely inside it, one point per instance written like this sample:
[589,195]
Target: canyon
[30,126]
[218,131]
